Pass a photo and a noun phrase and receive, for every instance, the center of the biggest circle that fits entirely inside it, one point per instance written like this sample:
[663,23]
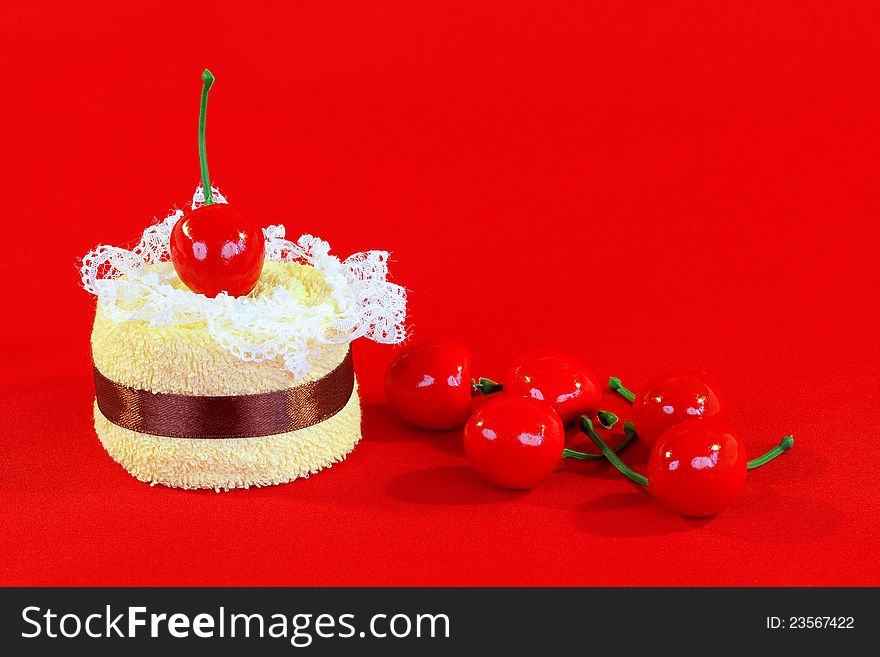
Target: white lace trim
[254,328]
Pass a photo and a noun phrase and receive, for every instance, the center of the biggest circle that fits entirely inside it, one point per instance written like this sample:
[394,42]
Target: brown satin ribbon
[238,416]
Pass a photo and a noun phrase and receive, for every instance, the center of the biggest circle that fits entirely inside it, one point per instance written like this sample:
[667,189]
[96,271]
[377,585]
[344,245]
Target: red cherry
[671,400]
[429,385]
[698,467]
[215,249]
[514,442]
[557,378]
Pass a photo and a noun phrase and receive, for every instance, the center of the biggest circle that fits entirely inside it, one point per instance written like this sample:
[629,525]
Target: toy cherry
[514,442]
[429,385]
[556,377]
[696,468]
[668,401]
[214,248]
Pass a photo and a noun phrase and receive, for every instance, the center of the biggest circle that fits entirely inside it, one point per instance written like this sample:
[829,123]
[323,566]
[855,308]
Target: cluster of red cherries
[516,438]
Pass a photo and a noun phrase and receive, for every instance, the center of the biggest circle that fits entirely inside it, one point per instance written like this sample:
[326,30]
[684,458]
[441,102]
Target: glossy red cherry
[429,385]
[215,249]
[698,467]
[670,400]
[514,442]
[557,378]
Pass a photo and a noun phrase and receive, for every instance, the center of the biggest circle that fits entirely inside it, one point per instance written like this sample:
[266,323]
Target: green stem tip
[485,387]
[207,83]
[629,433]
[587,428]
[607,419]
[784,445]
[617,386]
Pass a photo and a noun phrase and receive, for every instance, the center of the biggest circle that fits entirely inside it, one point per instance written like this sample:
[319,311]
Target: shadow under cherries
[458,484]
[382,425]
[632,514]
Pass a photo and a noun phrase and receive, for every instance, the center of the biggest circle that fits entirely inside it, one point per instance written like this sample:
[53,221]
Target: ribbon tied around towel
[235,416]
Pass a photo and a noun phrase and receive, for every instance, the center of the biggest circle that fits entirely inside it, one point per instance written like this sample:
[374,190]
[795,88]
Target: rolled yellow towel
[187,360]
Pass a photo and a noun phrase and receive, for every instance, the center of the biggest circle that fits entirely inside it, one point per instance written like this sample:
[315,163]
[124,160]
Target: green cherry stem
[629,434]
[481,387]
[784,445]
[617,386]
[587,428]
[607,419]
[207,82]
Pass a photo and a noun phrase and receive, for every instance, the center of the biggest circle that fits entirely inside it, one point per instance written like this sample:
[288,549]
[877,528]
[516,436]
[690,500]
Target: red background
[651,186]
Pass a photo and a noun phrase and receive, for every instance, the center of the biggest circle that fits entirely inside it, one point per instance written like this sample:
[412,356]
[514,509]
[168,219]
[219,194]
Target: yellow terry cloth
[186,360]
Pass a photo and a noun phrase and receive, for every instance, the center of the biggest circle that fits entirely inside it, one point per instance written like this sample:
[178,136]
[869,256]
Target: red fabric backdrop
[651,186]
